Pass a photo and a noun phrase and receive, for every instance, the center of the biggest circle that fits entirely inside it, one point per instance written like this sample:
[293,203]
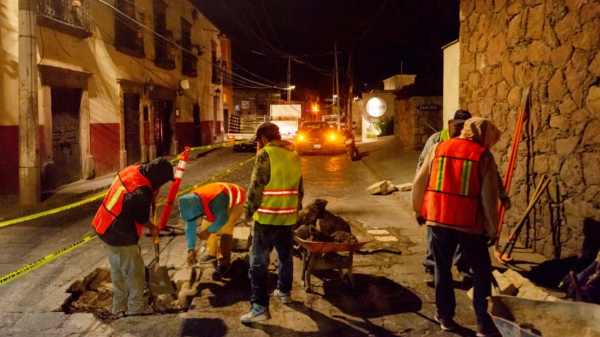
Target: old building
[118,82]
[553,47]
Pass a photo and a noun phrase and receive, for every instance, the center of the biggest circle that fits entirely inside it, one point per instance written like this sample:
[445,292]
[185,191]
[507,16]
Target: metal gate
[162,127]
[131,104]
[66,151]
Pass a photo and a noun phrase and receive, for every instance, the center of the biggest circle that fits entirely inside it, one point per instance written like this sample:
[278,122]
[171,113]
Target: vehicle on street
[242,128]
[350,142]
[316,137]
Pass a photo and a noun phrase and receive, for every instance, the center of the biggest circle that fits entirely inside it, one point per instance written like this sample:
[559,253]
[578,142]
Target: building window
[216,65]
[67,16]
[189,62]
[164,46]
[128,33]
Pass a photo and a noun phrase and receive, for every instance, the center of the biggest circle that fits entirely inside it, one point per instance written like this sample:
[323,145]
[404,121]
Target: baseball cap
[460,116]
[191,208]
[266,128]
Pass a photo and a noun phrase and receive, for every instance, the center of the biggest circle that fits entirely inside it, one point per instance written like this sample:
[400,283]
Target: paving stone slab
[80,323]
[40,322]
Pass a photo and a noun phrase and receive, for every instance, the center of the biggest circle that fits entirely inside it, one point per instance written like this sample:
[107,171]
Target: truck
[242,128]
[286,117]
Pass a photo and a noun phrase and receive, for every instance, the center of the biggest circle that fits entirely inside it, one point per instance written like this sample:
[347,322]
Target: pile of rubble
[318,224]
[512,283]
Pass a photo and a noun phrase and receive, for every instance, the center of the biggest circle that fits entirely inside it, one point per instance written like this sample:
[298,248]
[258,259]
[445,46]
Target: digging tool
[513,157]
[504,256]
[158,276]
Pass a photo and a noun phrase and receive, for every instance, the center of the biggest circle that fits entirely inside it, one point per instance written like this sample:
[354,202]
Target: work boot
[146,312]
[207,259]
[284,298]
[446,324]
[257,313]
[220,271]
[464,276]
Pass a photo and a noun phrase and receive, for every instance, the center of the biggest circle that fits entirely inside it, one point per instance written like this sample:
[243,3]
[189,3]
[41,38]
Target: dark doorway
[226,120]
[197,128]
[131,104]
[66,152]
[162,127]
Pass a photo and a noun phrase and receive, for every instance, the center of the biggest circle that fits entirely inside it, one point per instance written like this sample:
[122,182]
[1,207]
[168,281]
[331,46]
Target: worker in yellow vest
[274,199]
[220,205]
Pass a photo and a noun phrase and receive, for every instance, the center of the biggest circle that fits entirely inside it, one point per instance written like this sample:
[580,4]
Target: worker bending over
[219,205]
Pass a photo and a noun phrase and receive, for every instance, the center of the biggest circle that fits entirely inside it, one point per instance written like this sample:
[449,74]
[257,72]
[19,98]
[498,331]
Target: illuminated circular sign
[376,106]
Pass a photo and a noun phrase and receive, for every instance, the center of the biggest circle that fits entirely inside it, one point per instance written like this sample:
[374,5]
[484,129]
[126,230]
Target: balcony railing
[68,16]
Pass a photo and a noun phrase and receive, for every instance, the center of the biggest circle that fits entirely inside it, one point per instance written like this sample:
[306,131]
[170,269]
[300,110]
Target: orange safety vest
[125,182]
[208,192]
[452,196]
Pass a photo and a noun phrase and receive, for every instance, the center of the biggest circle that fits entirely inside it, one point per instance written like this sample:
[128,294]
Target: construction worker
[274,199]
[456,193]
[454,129]
[119,224]
[219,205]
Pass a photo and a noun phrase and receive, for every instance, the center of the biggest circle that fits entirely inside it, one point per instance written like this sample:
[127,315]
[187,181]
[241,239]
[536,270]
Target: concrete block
[242,238]
[515,278]
[404,187]
[531,292]
[383,187]
[505,285]
[79,323]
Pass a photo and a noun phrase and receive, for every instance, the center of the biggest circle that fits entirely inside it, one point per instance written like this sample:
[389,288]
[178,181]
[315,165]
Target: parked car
[316,137]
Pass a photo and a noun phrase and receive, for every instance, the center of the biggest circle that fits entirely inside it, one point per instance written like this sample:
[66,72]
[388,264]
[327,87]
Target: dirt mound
[91,294]
[318,224]
[311,212]
[344,237]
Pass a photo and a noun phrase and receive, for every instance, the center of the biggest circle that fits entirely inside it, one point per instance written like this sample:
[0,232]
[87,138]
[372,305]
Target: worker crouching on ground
[274,199]
[456,193]
[220,205]
[119,224]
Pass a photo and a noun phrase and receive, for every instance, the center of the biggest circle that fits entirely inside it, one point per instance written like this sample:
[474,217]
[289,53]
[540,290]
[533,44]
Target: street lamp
[150,86]
[289,89]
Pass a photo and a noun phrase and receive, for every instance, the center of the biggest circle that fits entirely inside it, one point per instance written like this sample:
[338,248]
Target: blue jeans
[264,238]
[474,247]
[128,275]
[459,261]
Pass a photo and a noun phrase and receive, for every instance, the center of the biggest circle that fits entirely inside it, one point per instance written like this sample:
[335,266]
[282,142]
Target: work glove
[506,203]
[421,221]
[492,242]
[191,258]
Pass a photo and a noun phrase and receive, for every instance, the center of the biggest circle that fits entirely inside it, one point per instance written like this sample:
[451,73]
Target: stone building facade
[553,46]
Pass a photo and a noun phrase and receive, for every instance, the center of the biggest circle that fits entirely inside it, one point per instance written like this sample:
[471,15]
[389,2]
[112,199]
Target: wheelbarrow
[519,317]
[314,257]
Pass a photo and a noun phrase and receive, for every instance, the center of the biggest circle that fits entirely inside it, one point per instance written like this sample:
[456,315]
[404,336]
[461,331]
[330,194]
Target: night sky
[385,37]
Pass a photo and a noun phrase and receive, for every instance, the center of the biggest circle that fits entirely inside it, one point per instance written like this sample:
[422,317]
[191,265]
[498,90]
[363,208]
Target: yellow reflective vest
[279,205]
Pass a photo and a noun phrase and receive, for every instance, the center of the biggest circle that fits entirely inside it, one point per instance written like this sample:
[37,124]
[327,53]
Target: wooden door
[66,151]
[162,127]
[131,104]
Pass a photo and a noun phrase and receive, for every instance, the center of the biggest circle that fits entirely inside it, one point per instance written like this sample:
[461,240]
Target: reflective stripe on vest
[125,182]
[453,195]
[208,192]
[279,205]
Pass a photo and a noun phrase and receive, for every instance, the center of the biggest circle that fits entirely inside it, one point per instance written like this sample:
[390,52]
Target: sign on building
[245,104]
[425,107]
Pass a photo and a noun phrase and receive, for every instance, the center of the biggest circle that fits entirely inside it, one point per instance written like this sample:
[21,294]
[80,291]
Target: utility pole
[337,87]
[350,93]
[289,79]
[29,160]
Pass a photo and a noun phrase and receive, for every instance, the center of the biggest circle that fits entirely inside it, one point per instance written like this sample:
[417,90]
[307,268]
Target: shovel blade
[160,283]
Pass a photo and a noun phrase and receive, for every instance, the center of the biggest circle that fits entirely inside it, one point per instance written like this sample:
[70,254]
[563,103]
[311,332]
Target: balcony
[66,16]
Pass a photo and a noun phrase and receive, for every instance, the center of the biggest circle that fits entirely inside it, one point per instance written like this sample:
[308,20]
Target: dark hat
[158,172]
[265,129]
[460,116]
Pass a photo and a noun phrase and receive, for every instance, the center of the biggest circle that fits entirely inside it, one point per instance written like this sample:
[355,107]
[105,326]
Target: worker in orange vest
[456,193]
[119,223]
[219,205]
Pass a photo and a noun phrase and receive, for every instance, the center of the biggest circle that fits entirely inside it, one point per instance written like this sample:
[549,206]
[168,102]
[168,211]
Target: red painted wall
[185,135]
[206,131]
[104,146]
[9,159]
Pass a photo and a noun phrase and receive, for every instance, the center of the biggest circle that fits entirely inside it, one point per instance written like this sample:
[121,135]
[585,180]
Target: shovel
[158,276]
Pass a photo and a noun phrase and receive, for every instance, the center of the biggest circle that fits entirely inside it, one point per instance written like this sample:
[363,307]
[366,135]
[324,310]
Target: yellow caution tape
[79,203]
[208,147]
[7,278]
[52,211]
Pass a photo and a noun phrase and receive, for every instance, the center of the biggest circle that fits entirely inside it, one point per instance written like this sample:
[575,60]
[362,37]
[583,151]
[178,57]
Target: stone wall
[552,46]
[413,126]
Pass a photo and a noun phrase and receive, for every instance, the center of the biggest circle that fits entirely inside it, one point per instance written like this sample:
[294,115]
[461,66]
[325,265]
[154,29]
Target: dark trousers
[475,250]
[266,237]
[459,260]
